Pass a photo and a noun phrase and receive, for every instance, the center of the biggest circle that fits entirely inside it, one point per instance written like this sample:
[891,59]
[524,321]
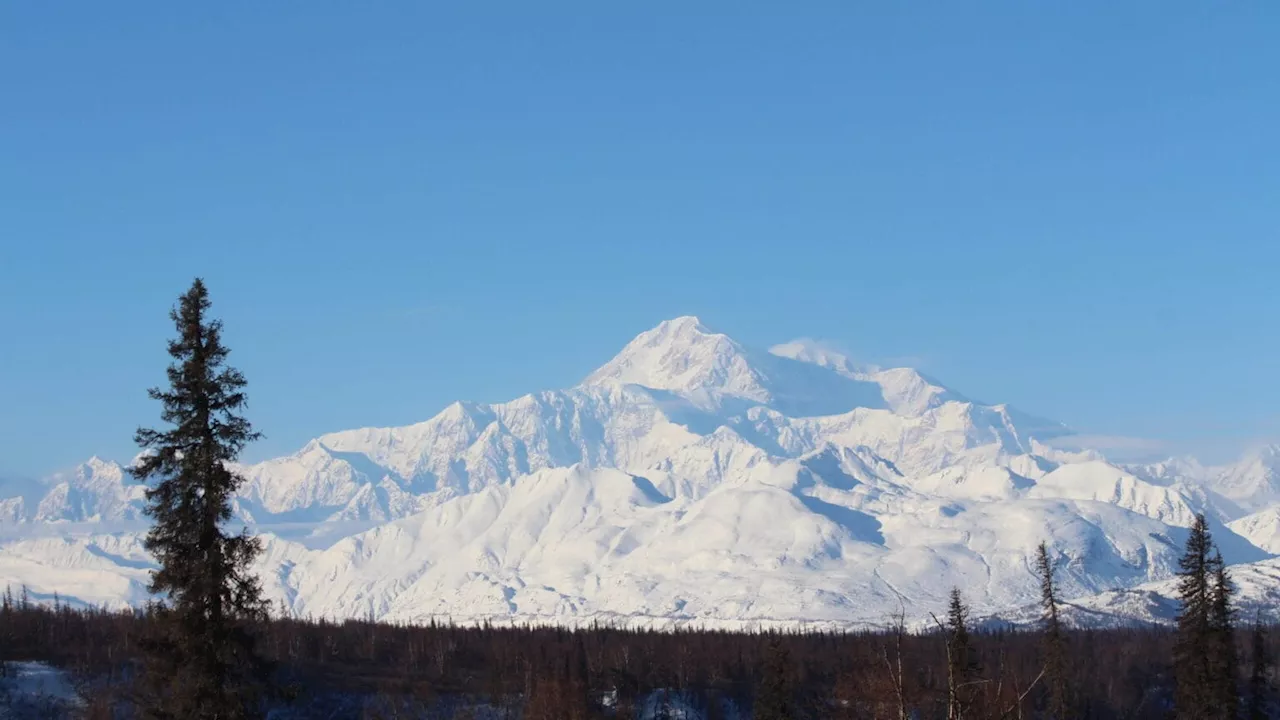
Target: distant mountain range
[688,480]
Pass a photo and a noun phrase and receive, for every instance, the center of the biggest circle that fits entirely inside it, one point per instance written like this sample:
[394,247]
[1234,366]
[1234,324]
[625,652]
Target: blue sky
[1071,207]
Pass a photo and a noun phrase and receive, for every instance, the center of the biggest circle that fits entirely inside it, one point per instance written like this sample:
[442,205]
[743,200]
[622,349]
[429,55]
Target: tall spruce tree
[202,663]
[1224,662]
[1204,659]
[962,658]
[1055,665]
[1261,705]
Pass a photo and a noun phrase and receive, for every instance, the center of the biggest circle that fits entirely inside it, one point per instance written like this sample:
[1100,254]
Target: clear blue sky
[1071,207]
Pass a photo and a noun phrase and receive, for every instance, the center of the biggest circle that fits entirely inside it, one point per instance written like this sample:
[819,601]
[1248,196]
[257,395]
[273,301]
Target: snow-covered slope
[1261,528]
[1257,596]
[1253,483]
[689,479]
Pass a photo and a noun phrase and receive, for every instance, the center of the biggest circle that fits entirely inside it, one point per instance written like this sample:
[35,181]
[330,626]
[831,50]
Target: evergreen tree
[1054,649]
[202,663]
[1224,663]
[775,695]
[1193,666]
[962,657]
[1260,690]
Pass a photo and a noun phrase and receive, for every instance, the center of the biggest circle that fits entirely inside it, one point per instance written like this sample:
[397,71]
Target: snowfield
[36,690]
[691,481]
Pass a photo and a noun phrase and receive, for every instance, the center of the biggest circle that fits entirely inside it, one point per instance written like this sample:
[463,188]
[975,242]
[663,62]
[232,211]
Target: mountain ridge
[688,477]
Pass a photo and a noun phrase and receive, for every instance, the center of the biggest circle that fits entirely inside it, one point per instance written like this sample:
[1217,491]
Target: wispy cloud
[814,348]
[1116,447]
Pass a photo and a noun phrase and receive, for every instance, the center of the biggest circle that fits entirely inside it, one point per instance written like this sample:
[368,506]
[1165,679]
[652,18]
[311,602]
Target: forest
[359,669]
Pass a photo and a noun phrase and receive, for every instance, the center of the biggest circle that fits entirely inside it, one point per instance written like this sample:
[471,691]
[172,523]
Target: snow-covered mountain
[688,479]
[95,490]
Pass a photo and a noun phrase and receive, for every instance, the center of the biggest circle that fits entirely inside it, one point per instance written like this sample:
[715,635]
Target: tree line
[363,669]
[207,647]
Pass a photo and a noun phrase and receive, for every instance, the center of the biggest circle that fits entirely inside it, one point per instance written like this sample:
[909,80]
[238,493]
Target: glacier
[690,480]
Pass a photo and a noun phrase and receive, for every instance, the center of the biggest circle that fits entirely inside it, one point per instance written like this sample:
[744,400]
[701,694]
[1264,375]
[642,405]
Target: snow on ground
[36,690]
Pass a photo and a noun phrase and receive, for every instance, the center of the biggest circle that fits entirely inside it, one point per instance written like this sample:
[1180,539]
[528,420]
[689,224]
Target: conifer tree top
[204,395]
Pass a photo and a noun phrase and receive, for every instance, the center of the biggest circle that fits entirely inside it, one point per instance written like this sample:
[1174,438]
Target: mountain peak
[97,464]
[683,324]
[677,332]
[1263,458]
[1268,453]
[1253,483]
[682,355]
